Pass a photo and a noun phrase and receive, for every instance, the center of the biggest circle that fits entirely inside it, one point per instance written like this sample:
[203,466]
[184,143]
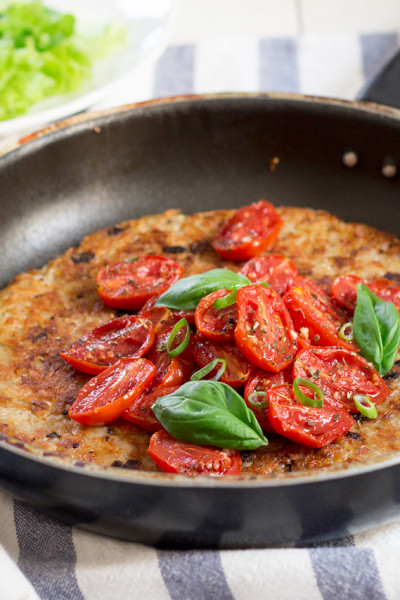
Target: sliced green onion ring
[365,405]
[225,301]
[183,345]
[346,332]
[208,368]
[252,400]
[315,402]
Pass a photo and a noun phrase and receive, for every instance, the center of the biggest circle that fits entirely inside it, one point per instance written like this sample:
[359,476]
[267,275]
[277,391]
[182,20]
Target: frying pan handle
[384,88]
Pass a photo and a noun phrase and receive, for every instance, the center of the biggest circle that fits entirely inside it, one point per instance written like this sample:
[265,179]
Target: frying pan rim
[89,120]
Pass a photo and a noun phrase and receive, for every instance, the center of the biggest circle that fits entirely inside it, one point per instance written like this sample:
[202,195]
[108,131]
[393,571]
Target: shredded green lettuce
[41,55]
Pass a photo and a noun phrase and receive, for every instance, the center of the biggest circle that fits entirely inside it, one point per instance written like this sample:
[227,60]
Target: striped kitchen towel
[330,65]
[41,558]
[47,560]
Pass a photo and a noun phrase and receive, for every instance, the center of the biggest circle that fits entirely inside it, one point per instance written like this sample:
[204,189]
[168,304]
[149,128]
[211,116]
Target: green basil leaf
[389,319]
[187,292]
[376,328]
[209,413]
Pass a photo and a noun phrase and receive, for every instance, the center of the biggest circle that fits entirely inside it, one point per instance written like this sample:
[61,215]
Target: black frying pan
[199,153]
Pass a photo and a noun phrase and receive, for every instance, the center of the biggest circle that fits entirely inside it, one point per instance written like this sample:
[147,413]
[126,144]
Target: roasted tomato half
[278,271]
[105,397]
[312,427]
[129,284]
[315,315]
[173,456]
[344,290]
[140,411]
[237,366]
[256,392]
[340,374]
[127,336]
[252,230]
[216,323]
[264,333]
[170,374]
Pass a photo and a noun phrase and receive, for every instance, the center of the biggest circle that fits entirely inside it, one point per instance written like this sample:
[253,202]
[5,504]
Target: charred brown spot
[82,257]
[199,247]
[115,230]
[353,435]
[40,335]
[174,249]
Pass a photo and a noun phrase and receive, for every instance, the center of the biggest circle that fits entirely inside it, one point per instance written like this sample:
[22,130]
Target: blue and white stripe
[59,562]
[334,65]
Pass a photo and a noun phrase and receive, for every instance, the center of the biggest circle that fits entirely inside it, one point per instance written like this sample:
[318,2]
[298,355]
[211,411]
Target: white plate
[148,24]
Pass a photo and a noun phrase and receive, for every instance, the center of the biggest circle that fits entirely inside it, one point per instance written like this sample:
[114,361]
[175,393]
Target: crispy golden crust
[44,311]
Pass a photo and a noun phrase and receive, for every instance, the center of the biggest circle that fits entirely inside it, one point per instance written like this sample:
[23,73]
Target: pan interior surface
[197,154]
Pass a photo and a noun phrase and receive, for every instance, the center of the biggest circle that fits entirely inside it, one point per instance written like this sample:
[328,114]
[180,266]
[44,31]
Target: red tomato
[278,271]
[344,290]
[264,333]
[130,284]
[173,456]
[326,301]
[237,366]
[160,317]
[263,381]
[140,411]
[169,371]
[251,231]
[170,374]
[340,373]
[216,324]
[312,427]
[314,315]
[176,314]
[127,336]
[105,397]
[184,314]
[386,290]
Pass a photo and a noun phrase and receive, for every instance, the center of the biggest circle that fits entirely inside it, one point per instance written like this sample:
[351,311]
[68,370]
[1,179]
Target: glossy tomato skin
[105,397]
[140,411]
[386,290]
[314,315]
[278,271]
[264,332]
[344,290]
[262,381]
[128,285]
[128,336]
[312,427]
[213,323]
[185,314]
[169,371]
[237,366]
[173,456]
[340,373]
[252,230]
[170,374]
[161,318]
